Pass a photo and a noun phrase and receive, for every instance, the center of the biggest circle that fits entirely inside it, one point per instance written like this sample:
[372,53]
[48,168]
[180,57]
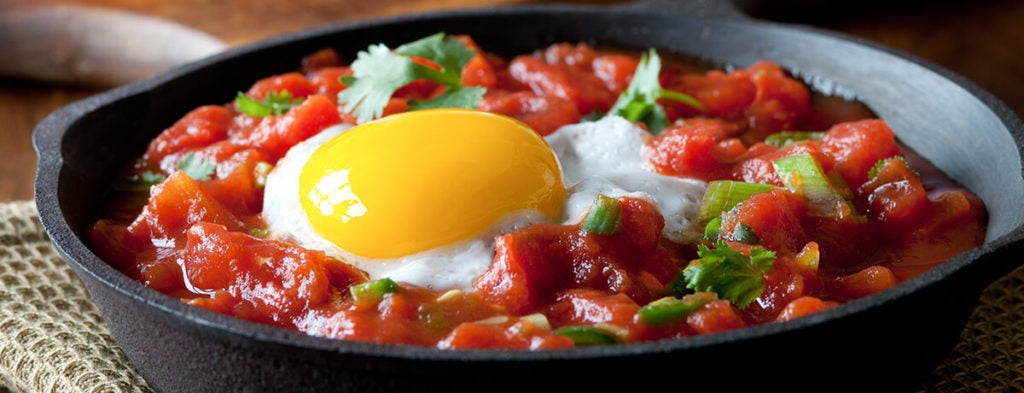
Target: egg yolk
[418,180]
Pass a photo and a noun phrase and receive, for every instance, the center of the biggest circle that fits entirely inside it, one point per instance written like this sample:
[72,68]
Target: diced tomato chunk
[780,102]
[545,114]
[803,305]
[177,204]
[269,281]
[855,147]
[760,169]
[687,149]
[520,334]
[274,135]
[770,217]
[200,127]
[956,223]
[616,71]
[328,81]
[715,317]
[522,276]
[590,307]
[894,196]
[292,82]
[725,95]
[237,179]
[583,89]
[870,280]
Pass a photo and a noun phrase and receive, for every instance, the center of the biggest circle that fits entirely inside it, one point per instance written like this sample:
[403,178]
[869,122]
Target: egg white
[601,157]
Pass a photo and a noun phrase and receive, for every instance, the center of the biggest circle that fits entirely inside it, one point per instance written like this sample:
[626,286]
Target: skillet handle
[710,8]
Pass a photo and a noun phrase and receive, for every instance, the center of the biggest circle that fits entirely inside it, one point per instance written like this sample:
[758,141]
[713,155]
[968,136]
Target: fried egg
[419,197]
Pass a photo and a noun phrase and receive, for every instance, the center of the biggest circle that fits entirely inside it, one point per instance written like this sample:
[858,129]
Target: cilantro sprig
[273,104]
[639,102]
[378,72]
[196,167]
[147,178]
[729,273]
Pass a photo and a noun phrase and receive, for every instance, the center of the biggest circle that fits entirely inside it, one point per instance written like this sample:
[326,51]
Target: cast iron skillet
[886,341]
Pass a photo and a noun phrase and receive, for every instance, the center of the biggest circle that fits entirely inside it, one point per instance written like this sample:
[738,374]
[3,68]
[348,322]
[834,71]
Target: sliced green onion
[373,291]
[537,319]
[603,218]
[587,335]
[786,138]
[451,295]
[682,97]
[803,174]
[670,309]
[713,229]
[722,195]
[744,234]
[259,232]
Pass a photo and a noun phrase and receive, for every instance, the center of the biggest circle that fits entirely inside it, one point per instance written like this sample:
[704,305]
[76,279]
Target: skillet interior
[962,129]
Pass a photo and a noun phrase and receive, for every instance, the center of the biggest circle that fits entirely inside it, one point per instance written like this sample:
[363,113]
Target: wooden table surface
[980,40]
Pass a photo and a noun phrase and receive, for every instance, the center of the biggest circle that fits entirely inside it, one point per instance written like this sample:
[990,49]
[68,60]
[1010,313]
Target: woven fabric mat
[53,339]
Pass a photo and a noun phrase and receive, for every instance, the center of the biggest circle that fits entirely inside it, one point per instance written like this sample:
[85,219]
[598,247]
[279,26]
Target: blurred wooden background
[980,40]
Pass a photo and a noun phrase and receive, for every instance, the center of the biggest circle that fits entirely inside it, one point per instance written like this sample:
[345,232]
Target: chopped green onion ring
[787,138]
[587,335]
[603,218]
[723,195]
[670,309]
[373,291]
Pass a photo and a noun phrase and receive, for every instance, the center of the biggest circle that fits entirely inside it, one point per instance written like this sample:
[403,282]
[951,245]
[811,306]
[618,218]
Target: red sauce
[199,240]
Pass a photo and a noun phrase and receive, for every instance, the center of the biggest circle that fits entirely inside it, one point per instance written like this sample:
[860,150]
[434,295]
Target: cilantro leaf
[466,97]
[196,167]
[376,74]
[450,54]
[274,104]
[639,102]
[379,72]
[148,178]
[730,273]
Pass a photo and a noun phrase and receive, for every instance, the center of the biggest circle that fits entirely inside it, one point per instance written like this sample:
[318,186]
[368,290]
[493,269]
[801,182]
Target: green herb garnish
[722,195]
[787,138]
[373,291]
[670,309]
[603,217]
[587,335]
[639,102]
[148,178]
[196,167]
[729,273]
[274,104]
[803,174]
[378,72]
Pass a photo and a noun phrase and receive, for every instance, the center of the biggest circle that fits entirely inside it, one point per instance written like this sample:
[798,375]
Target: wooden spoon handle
[92,46]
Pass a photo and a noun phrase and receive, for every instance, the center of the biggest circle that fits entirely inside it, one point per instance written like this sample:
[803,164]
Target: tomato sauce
[202,240]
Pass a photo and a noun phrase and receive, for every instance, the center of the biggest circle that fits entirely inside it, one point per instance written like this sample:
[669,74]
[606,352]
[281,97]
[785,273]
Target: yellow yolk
[415,181]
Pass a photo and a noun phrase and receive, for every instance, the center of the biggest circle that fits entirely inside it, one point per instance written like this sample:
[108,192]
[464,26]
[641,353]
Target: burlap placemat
[53,339]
